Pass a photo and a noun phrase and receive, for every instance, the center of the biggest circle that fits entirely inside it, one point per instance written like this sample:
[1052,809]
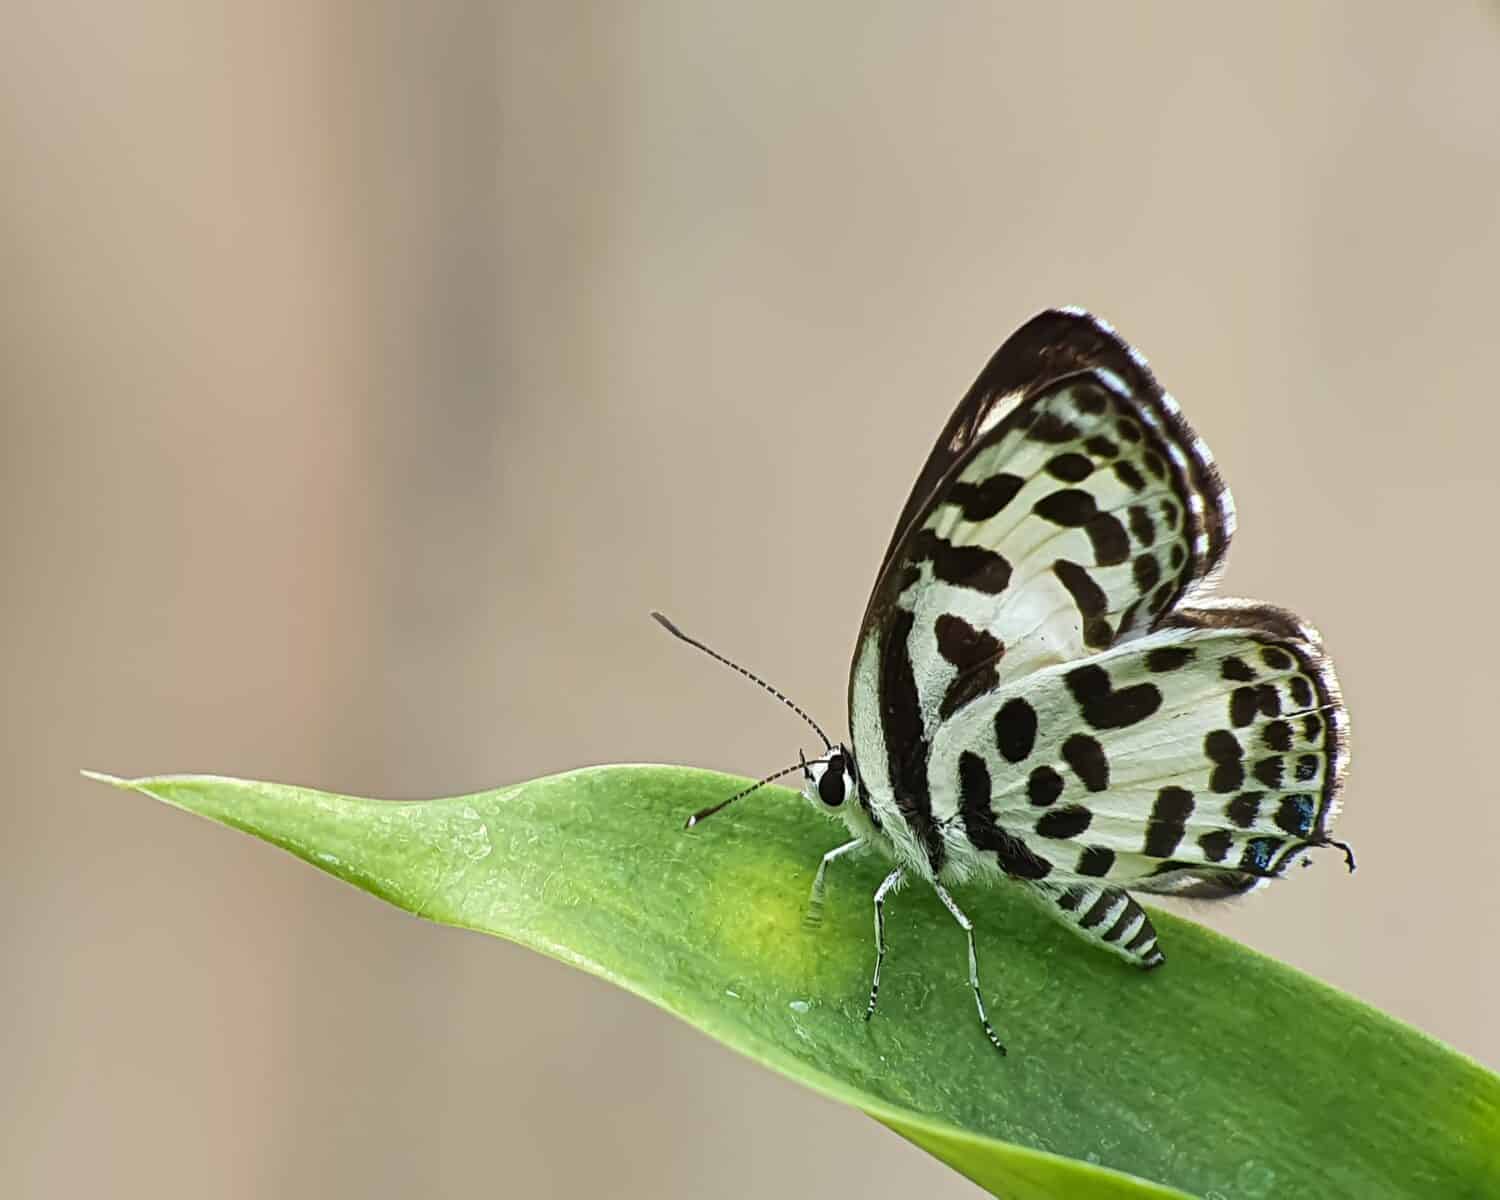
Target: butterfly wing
[1196,760]
[1066,507]
[1053,344]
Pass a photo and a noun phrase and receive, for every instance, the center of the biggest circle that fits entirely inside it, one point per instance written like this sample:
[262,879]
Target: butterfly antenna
[750,675]
[740,795]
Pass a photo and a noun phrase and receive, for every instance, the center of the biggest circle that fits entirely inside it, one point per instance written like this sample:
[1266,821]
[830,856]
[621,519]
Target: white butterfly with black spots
[1043,692]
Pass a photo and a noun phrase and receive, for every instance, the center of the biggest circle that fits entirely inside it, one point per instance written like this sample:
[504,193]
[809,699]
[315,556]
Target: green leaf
[1224,1075]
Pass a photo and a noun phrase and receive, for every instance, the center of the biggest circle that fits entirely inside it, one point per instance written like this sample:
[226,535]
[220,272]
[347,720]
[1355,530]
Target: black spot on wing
[1215,844]
[1141,527]
[1101,447]
[1086,757]
[974,567]
[1276,658]
[981,501]
[974,652]
[1051,428]
[1043,786]
[1269,771]
[1168,658]
[1105,707]
[1066,822]
[906,739]
[1071,467]
[1302,691]
[1269,699]
[963,645]
[1259,854]
[1096,860]
[1277,735]
[1015,729]
[1090,398]
[1307,767]
[1126,473]
[1168,824]
[1236,670]
[1242,706]
[1295,814]
[974,790]
[1016,859]
[1223,750]
[1146,572]
[1244,808]
[1172,804]
[1090,600]
[1111,543]
[1068,507]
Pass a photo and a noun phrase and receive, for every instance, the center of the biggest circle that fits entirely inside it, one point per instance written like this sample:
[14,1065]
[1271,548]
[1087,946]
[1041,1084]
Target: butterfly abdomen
[1108,917]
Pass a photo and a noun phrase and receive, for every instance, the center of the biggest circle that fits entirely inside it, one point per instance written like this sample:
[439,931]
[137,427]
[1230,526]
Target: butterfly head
[829,780]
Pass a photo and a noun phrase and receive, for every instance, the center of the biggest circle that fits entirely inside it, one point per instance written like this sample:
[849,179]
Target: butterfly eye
[831,786]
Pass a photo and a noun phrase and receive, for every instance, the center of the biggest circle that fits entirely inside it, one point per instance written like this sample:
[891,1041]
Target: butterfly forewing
[1054,344]
[1065,528]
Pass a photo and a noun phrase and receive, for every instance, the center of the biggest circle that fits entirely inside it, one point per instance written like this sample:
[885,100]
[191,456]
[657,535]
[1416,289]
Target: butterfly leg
[968,927]
[814,915]
[893,880]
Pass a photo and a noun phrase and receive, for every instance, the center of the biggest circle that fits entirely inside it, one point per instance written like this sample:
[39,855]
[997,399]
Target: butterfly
[1045,692]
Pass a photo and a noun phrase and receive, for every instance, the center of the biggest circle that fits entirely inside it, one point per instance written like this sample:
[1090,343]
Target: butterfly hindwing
[1195,760]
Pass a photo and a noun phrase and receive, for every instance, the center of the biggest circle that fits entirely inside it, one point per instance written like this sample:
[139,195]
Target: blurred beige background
[370,369]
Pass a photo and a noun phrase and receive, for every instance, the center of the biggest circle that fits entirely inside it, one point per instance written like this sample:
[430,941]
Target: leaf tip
[102,777]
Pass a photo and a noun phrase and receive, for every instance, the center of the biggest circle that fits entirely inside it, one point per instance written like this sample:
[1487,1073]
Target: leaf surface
[1224,1075]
